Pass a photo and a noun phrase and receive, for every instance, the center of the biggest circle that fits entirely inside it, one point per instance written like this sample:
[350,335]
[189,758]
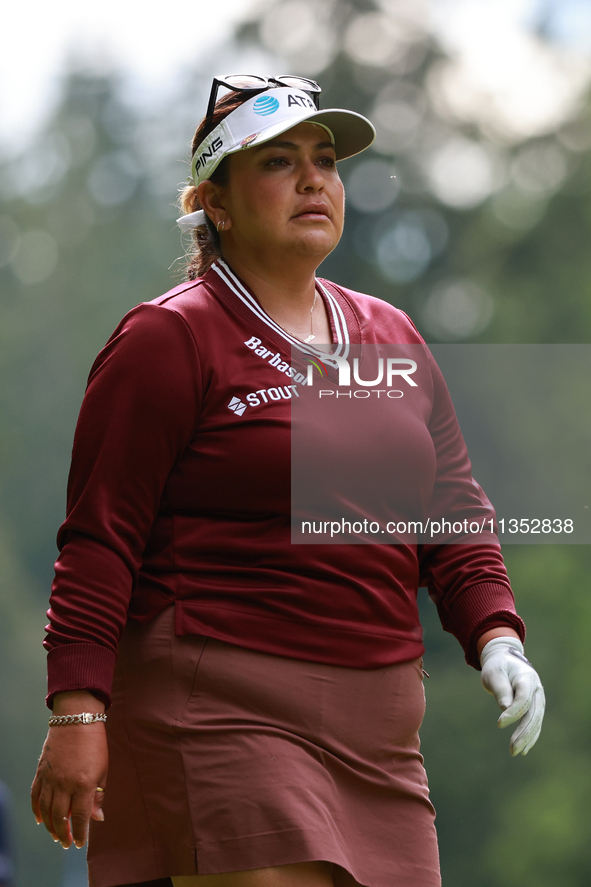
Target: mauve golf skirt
[225,759]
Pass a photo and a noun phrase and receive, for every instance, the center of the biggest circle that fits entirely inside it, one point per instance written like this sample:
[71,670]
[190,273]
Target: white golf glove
[515,684]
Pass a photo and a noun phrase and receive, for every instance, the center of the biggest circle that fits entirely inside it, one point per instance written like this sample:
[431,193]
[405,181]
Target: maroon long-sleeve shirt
[179,494]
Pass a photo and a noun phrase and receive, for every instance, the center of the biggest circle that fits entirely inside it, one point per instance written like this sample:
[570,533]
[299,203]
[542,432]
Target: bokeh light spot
[461,173]
[8,240]
[403,251]
[35,258]
[371,188]
[377,39]
[113,179]
[517,210]
[397,115]
[539,168]
[301,31]
[457,309]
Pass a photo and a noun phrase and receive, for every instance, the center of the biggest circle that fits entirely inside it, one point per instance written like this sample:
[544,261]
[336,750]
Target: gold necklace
[311,336]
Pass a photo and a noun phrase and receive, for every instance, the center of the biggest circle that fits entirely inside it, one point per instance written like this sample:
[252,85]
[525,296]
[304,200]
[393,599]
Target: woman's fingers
[67,816]
[35,792]
[97,807]
[530,725]
[82,806]
[524,687]
[64,794]
[46,810]
[516,685]
[60,809]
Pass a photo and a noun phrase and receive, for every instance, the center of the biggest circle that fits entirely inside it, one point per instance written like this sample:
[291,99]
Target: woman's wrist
[499,632]
[74,702]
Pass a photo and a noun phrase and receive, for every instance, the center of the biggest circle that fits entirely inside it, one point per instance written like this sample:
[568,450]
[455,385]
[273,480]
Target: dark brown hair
[205,245]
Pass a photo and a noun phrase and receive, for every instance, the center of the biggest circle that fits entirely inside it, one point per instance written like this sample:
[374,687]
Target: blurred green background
[483,236]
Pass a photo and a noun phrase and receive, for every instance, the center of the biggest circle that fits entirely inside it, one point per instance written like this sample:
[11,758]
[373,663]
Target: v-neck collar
[339,310]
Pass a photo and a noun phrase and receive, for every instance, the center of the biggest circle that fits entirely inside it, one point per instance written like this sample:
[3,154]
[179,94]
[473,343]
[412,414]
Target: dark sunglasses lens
[245,81]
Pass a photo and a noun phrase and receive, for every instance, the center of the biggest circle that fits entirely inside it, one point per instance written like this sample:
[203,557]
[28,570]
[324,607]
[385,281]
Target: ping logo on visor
[265,105]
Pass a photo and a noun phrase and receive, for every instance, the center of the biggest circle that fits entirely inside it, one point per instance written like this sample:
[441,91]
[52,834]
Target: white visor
[269,114]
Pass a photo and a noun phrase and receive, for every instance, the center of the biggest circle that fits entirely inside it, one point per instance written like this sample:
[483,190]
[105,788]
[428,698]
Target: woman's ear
[211,200]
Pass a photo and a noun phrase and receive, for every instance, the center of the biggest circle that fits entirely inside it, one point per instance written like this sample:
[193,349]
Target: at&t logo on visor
[265,105]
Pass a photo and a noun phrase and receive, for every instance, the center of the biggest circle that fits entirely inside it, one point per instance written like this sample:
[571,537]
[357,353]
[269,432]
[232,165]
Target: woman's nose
[311,178]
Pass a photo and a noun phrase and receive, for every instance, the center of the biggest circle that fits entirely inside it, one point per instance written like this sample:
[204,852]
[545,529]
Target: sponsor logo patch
[265,105]
[237,405]
[300,101]
[208,153]
[275,359]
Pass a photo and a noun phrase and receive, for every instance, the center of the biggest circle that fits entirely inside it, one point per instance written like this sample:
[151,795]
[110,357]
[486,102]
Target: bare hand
[64,795]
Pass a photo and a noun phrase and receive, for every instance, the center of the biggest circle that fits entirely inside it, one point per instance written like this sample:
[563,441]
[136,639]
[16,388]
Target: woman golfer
[263,698]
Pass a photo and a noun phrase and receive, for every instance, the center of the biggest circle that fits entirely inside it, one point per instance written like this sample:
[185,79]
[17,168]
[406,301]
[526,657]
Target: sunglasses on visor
[254,83]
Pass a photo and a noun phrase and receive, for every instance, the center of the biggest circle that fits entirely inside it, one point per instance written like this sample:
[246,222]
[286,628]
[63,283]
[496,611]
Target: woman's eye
[282,161]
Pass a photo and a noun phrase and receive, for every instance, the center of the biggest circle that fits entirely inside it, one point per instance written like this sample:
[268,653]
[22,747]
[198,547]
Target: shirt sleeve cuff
[479,608]
[80,667]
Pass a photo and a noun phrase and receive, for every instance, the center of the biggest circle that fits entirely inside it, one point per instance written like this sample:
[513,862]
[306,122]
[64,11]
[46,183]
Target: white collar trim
[343,341]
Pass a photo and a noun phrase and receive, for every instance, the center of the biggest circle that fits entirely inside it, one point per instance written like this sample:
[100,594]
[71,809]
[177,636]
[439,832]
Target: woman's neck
[289,298]
[273,280]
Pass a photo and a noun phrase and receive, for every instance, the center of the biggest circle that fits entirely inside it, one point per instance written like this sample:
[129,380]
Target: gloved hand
[508,675]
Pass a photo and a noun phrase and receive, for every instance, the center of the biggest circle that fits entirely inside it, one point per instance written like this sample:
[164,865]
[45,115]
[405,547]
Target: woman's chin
[314,242]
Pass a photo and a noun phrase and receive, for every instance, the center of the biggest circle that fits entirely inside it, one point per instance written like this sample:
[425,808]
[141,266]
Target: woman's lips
[313,212]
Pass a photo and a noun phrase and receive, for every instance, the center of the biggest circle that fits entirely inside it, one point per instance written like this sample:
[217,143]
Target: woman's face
[284,198]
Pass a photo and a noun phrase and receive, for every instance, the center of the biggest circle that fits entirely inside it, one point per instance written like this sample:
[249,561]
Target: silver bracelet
[85,717]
